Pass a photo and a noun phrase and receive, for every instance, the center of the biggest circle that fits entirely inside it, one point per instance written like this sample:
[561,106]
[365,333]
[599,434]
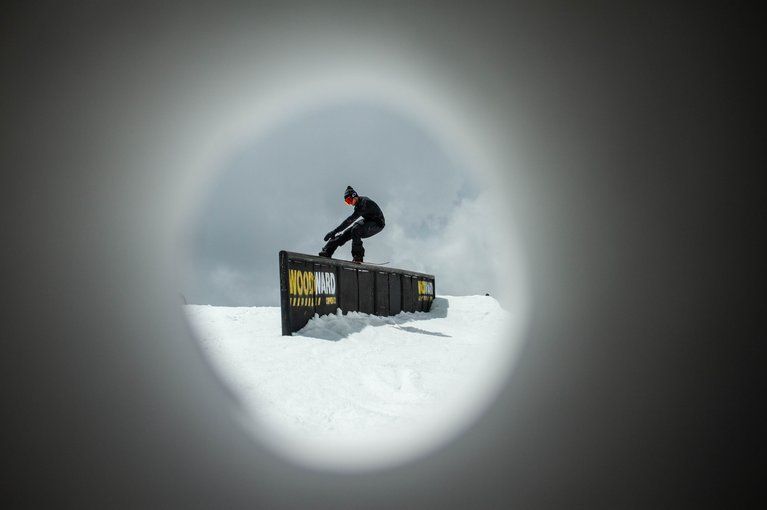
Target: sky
[284,191]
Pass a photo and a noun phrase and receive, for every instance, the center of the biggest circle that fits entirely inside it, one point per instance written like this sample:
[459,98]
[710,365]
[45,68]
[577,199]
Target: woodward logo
[307,287]
[425,290]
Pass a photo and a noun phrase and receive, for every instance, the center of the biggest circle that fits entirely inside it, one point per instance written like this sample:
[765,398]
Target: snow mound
[358,390]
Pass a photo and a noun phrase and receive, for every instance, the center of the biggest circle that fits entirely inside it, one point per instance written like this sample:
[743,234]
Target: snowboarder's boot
[357,260]
[323,253]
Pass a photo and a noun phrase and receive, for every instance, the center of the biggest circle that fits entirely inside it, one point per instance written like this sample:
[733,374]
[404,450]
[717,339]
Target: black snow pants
[357,233]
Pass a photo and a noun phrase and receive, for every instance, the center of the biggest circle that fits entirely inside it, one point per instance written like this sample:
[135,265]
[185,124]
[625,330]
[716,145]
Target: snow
[359,391]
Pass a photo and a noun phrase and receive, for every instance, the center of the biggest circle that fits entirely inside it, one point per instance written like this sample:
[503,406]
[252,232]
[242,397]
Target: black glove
[330,235]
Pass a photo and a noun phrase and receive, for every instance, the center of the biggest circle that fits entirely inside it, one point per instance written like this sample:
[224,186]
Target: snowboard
[366,262]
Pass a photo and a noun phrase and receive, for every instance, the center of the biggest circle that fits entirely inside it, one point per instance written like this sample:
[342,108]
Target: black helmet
[349,194]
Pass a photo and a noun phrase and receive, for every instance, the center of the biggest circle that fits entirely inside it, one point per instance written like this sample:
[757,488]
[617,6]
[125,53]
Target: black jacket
[368,210]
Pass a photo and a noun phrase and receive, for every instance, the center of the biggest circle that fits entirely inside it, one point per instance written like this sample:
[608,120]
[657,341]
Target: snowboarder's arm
[348,221]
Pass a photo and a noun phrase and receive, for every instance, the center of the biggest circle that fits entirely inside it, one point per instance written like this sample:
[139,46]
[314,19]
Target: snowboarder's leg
[333,244]
[358,233]
[358,251]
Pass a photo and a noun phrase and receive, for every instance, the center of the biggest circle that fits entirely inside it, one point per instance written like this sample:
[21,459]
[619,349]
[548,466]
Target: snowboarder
[372,223]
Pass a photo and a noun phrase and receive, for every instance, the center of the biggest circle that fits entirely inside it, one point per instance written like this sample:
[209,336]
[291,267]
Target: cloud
[284,191]
[470,254]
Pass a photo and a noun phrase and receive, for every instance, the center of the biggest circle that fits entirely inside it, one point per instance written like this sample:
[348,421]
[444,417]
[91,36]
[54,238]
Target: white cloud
[472,254]
[285,192]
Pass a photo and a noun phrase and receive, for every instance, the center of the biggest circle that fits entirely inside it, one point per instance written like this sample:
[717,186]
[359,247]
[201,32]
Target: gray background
[636,385]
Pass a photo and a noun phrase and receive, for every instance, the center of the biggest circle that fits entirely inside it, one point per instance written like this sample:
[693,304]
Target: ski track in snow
[347,379]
